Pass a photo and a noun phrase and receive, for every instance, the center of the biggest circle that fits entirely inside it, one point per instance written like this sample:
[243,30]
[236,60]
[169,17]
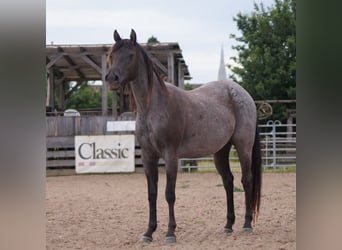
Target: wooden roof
[83,62]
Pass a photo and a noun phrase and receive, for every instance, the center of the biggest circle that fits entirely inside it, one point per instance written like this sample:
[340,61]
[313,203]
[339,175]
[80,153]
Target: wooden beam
[71,63]
[155,50]
[276,101]
[51,89]
[92,63]
[61,102]
[71,79]
[104,85]
[58,73]
[158,63]
[180,75]
[170,68]
[73,89]
[52,62]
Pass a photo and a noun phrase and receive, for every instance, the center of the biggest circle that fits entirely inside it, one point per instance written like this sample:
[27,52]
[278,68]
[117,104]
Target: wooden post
[61,87]
[50,89]
[114,104]
[104,85]
[180,75]
[170,68]
[176,73]
[122,101]
[47,101]
[289,123]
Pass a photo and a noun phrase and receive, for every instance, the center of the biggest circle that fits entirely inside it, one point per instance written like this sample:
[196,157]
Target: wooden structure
[82,63]
[61,132]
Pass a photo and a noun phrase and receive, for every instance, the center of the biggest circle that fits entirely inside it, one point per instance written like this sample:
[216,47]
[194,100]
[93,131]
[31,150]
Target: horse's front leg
[151,170]
[170,195]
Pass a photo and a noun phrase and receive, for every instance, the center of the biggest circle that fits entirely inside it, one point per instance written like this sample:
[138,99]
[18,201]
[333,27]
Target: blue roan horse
[173,123]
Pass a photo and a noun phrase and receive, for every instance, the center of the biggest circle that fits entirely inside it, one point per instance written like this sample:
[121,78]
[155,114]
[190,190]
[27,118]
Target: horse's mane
[151,67]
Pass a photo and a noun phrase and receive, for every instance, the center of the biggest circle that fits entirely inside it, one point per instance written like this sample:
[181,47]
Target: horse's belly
[200,148]
[202,144]
[207,131]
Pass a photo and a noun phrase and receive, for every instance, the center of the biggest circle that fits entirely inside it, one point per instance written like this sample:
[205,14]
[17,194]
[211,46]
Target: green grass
[183,185]
[236,189]
[201,222]
[238,170]
[292,169]
[235,168]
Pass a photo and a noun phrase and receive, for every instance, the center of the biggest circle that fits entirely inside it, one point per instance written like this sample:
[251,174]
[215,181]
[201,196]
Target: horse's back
[209,115]
[243,104]
[228,94]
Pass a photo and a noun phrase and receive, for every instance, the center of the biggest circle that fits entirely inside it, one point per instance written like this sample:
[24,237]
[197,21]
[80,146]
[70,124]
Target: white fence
[278,147]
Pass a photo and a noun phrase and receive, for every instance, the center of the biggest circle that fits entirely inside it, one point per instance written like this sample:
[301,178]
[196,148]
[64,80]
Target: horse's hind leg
[245,157]
[223,167]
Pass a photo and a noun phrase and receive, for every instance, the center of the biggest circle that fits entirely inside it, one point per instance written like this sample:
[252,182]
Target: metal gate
[278,147]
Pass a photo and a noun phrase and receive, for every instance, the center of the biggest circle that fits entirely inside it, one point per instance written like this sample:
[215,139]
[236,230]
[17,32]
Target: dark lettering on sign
[90,151]
[80,151]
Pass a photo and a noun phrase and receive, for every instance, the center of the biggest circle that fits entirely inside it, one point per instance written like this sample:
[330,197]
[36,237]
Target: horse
[172,123]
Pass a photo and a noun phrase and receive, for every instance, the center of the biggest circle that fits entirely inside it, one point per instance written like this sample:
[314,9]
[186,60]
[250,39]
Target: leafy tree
[267,52]
[87,97]
[188,86]
[152,40]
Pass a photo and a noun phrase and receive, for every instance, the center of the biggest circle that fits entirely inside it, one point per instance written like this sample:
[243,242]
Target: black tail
[257,171]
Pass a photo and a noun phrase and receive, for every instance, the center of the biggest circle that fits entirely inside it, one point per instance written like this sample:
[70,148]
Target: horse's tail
[257,172]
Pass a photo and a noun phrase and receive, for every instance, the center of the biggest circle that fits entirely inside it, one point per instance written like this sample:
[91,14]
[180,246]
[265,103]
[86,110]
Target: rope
[264,111]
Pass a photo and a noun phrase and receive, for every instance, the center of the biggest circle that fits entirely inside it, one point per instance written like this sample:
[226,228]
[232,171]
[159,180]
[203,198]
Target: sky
[200,27]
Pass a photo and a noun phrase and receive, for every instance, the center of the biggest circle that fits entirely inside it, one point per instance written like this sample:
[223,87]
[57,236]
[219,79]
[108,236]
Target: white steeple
[222,75]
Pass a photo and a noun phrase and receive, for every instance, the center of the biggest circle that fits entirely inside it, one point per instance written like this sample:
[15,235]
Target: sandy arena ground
[111,212]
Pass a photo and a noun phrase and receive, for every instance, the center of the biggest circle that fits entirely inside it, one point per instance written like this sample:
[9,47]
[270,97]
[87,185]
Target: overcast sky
[200,27]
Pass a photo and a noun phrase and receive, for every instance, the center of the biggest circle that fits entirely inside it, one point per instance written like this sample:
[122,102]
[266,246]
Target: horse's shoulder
[176,91]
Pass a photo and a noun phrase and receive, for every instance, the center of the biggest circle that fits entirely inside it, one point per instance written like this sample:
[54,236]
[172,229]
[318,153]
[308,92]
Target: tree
[87,97]
[266,61]
[152,40]
[188,86]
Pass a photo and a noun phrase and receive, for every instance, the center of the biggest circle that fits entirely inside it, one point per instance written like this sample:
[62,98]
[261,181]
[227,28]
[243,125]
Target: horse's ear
[116,36]
[133,37]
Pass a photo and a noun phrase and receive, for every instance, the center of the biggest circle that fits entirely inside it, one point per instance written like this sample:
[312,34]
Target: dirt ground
[111,212]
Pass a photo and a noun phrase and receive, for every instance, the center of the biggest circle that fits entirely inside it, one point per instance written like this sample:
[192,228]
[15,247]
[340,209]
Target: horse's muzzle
[114,85]
[114,81]
[111,77]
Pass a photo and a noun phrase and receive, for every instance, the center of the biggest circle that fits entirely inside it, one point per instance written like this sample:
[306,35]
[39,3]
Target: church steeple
[222,75]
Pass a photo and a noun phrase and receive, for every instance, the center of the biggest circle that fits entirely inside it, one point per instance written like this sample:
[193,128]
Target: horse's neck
[144,100]
[140,90]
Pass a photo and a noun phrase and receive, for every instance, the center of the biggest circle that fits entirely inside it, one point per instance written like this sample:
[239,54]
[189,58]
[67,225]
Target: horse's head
[122,60]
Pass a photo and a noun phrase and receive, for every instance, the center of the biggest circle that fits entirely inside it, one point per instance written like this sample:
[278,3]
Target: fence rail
[61,130]
[278,142]
[278,148]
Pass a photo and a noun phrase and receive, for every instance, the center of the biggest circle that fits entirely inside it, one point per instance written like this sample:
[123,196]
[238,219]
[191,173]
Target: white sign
[113,126]
[104,153]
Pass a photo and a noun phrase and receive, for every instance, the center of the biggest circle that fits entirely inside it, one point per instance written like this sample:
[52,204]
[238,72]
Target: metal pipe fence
[278,148]
[278,143]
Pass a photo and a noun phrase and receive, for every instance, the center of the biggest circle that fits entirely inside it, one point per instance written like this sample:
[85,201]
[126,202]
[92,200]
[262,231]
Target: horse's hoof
[228,230]
[247,229]
[170,239]
[146,239]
